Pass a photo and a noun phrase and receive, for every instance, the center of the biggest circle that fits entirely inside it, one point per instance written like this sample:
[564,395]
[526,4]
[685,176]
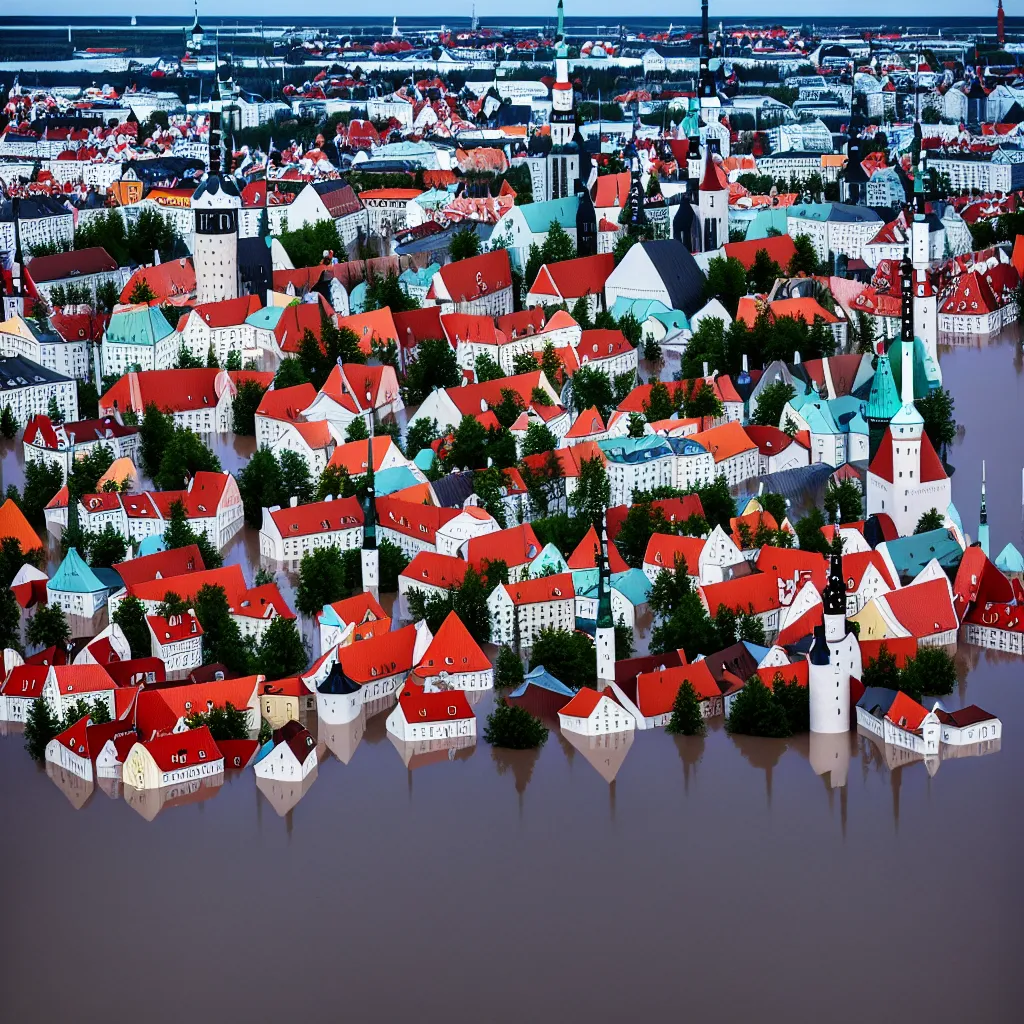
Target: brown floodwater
[716,879]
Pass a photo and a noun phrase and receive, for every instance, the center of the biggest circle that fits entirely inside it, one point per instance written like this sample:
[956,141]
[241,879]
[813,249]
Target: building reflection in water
[341,740]
[519,764]
[151,802]
[691,751]
[74,787]
[420,753]
[283,794]
[605,753]
[762,753]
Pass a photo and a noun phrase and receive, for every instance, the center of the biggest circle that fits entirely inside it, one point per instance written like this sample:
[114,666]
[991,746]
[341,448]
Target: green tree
[931,671]
[392,564]
[523,362]
[775,505]
[179,534]
[580,312]
[131,617]
[487,369]
[718,504]
[659,405]
[636,425]
[325,576]
[42,482]
[87,470]
[771,402]
[805,259]
[509,407]
[687,719]
[185,455]
[141,293]
[538,439]
[8,424]
[155,433]
[290,373]
[702,403]
[434,367]
[593,492]
[508,671]
[468,600]
[306,245]
[244,405]
[10,621]
[225,722]
[794,700]
[222,637]
[727,282]
[930,520]
[260,485]
[464,244]
[550,363]
[388,292]
[468,449]
[48,627]
[642,521]
[763,273]
[53,411]
[282,652]
[41,725]
[357,430]
[591,387]
[421,434]
[755,712]
[488,485]
[936,409]
[107,548]
[808,532]
[844,502]
[568,655]
[514,728]
[882,671]
[295,479]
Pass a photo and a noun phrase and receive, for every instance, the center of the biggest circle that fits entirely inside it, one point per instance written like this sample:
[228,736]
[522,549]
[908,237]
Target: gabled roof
[170,390]
[656,691]
[931,465]
[541,590]
[780,248]
[287,403]
[664,548]
[183,749]
[453,650]
[78,262]
[76,679]
[188,585]
[14,524]
[585,554]
[725,441]
[379,657]
[585,703]
[515,546]
[199,698]
[351,456]
[472,278]
[572,279]
[923,608]
[418,706]
[435,569]
[160,565]
[319,517]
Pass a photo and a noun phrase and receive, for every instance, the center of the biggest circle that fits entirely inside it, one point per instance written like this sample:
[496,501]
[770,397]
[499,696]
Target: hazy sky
[526,8]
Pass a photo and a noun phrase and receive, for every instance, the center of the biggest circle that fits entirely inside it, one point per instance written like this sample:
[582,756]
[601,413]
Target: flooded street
[715,879]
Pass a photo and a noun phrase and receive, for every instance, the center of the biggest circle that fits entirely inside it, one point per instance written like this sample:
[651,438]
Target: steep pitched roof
[14,524]
[931,464]
[453,650]
[514,546]
[471,278]
[435,569]
[923,608]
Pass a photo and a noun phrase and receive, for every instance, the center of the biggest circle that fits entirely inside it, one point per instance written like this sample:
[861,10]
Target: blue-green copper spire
[604,584]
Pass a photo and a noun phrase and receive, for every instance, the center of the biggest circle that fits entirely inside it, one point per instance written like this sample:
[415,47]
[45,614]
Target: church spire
[369,502]
[216,106]
[983,515]
[906,300]
[604,593]
[833,597]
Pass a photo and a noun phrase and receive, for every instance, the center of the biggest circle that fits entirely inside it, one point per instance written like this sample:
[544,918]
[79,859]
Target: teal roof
[434,197]
[387,481]
[884,401]
[549,558]
[538,216]
[541,677]
[1010,560]
[357,299]
[151,545]
[424,459]
[73,576]
[673,320]
[926,376]
[953,514]
[842,415]
[141,326]
[764,221]
[266,318]
[633,585]
[419,278]
[911,554]
[640,308]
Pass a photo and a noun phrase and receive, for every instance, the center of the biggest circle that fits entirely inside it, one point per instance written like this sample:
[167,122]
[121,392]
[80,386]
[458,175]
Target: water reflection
[151,802]
[74,787]
[341,740]
[283,794]
[420,753]
[605,753]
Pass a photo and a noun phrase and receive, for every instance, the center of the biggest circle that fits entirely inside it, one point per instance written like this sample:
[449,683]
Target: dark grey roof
[215,184]
[34,208]
[792,483]
[879,697]
[19,372]
[679,273]
[337,682]
[256,266]
[453,490]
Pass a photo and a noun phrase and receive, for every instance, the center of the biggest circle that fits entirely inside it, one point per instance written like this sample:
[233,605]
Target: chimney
[293,501]
[705,369]
[156,257]
[796,358]
[746,366]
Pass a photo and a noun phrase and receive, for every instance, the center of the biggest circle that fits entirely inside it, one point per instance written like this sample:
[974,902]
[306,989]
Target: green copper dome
[884,400]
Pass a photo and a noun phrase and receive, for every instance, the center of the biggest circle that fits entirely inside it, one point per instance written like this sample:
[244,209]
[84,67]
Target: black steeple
[215,131]
[906,299]
[833,597]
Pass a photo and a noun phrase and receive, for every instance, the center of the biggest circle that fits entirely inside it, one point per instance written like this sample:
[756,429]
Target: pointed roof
[74,576]
[585,554]
[14,524]
[931,464]
[453,650]
[712,181]
[884,399]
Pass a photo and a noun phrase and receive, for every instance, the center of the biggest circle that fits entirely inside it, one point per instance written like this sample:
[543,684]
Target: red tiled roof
[228,313]
[664,548]
[287,403]
[188,585]
[453,650]
[769,440]
[656,691]
[572,279]
[161,564]
[79,262]
[724,441]
[758,593]
[25,681]
[435,569]
[480,275]
[790,563]
[970,715]
[923,608]
[856,564]
[198,698]
[379,657]
[170,390]
[75,679]
[369,326]
[515,546]
[14,524]
[182,749]
[318,517]
[601,344]
[417,325]
[585,702]
[172,281]
[780,248]
[175,628]
[797,672]
[585,554]
[471,327]
[418,706]
[905,713]
[351,456]
[587,424]
[413,519]
[543,589]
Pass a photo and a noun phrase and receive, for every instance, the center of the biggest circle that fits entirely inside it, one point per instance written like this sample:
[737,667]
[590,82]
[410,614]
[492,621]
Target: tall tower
[14,304]
[712,206]
[834,658]
[604,635]
[563,99]
[983,516]
[926,310]
[371,556]
[634,212]
[706,88]
[1000,25]
[217,204]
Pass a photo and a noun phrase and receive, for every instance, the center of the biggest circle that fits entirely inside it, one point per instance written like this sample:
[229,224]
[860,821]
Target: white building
[180,757]
[292,756]
[548,602]
[177,640]
[421,715]
[288,533]
[27,388]
[590,713]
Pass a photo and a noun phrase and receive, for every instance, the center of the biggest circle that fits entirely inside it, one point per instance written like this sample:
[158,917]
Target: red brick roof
[187,586]
[173,281]
[417,325]
[170,390]
[228,313]
[414,519]
[418,706]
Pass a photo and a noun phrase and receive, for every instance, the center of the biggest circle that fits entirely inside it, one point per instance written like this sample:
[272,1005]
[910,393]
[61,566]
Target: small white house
[966,726]
[173,759]
[292,756]
[454,660]
[431,716]
[594,714]
[177,640]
